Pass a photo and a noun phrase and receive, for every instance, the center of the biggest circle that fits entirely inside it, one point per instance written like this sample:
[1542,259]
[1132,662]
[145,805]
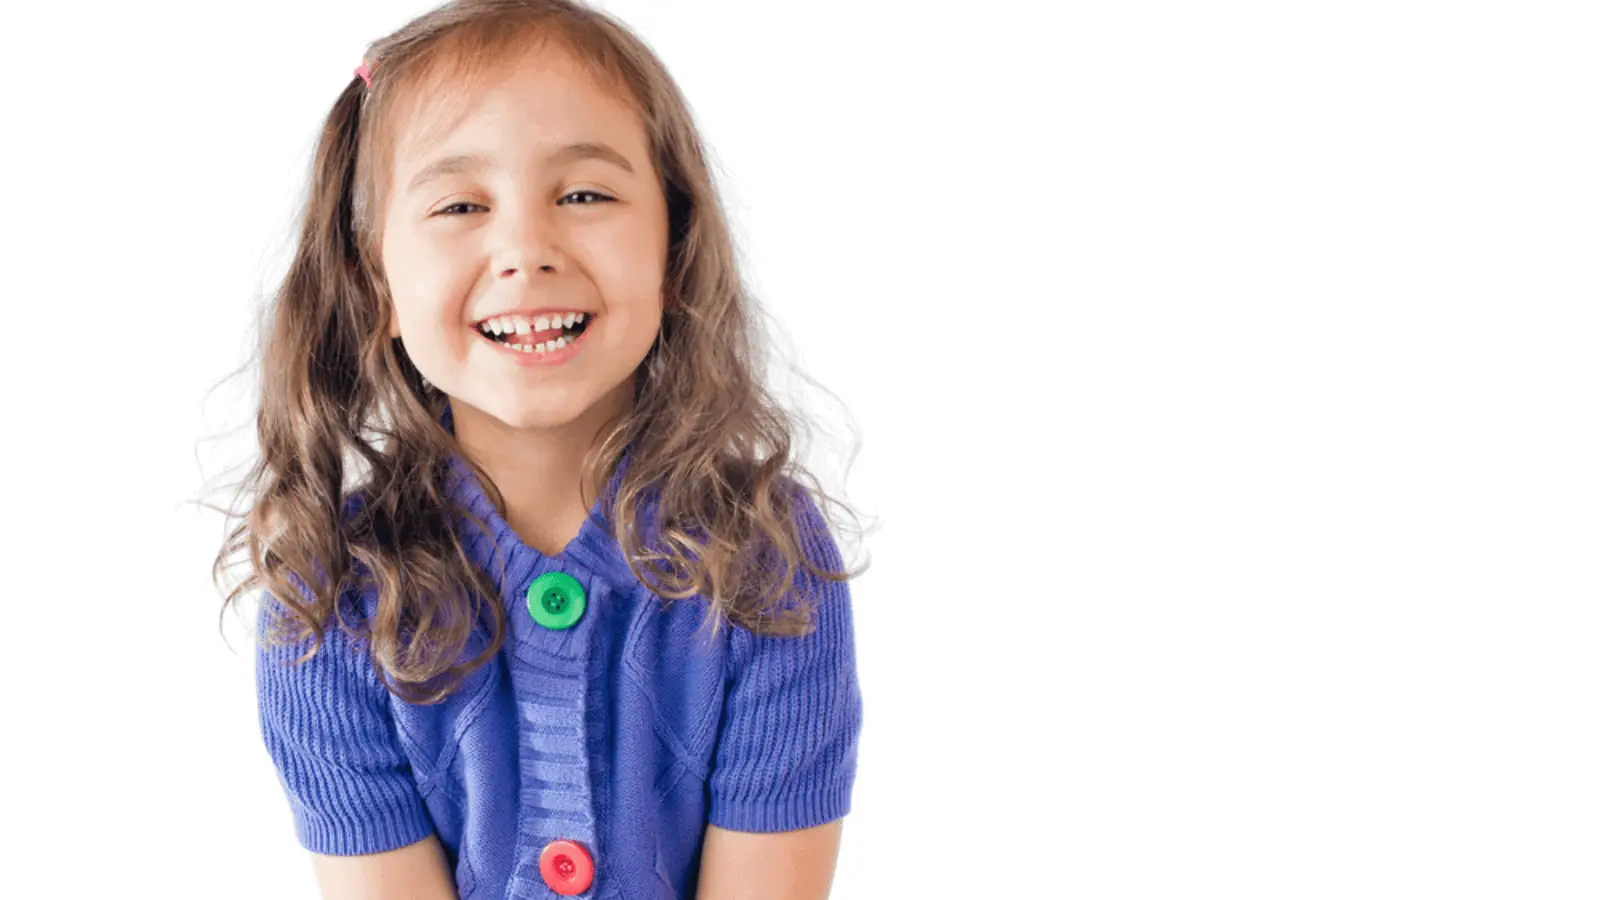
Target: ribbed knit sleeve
[786,757]
[327,727]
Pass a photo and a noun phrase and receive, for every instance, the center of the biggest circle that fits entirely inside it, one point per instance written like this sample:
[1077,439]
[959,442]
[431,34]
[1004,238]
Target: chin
[549,407]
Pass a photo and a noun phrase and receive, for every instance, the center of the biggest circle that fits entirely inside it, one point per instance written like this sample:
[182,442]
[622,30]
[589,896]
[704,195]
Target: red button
[566,867]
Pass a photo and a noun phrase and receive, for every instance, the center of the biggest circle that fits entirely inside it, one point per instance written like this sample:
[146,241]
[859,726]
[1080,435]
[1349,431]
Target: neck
[538,470]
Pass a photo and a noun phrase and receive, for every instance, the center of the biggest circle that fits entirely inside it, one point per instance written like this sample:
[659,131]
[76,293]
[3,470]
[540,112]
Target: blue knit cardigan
[624,734]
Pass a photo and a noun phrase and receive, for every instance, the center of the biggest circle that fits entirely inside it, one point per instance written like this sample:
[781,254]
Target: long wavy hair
[345,416]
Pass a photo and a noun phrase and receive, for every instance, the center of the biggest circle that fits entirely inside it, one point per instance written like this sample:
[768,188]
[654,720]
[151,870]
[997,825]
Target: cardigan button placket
[556,665]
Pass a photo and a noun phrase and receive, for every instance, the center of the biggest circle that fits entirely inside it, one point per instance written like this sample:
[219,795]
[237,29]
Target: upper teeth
[525,325]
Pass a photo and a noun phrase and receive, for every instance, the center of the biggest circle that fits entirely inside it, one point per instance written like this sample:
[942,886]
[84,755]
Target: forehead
[542,99]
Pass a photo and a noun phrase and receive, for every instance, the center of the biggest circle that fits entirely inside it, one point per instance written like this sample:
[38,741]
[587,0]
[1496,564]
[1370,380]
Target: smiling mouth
[545,341]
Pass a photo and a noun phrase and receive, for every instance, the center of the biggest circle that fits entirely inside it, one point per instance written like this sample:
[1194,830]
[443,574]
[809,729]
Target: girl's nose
[515,270]
[526,243]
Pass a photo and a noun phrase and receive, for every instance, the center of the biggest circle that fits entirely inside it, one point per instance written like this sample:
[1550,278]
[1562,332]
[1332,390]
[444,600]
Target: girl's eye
[599,197]
[602,197]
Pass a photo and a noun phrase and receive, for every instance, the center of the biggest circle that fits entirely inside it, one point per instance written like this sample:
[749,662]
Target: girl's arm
[414,872]
[784,769]
[353,797]
[788,865]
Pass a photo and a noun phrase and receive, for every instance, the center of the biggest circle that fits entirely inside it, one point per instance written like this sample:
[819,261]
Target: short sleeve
[786,756]
[328,730]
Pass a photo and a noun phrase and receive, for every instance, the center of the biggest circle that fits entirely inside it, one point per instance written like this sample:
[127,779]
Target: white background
[1225,373]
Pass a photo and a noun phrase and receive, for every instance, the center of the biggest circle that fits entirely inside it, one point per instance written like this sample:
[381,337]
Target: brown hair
[345,415]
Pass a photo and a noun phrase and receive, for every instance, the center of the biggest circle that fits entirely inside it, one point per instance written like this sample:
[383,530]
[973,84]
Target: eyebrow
[475,162]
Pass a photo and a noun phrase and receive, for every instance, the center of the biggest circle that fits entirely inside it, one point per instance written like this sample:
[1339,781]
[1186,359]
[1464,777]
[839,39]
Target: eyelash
[603,198]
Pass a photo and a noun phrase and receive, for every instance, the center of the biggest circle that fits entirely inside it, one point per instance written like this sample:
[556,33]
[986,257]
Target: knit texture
[627,733]
[327,726]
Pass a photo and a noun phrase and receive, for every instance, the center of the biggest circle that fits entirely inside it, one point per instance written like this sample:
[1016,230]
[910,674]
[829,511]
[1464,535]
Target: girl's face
[556,209]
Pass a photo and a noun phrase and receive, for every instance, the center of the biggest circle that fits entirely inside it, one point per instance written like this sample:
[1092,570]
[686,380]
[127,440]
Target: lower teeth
[548,347]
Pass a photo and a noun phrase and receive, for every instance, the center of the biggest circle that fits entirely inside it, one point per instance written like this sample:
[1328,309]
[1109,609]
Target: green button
[556,600]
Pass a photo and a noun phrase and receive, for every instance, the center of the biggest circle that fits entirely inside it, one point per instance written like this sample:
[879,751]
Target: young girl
[548,609]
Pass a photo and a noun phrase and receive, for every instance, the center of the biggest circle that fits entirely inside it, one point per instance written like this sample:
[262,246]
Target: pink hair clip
[365,71]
